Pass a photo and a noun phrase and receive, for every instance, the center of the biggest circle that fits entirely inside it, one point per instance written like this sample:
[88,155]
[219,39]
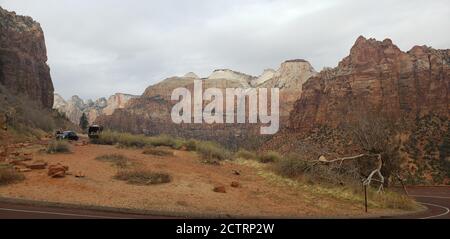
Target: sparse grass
[191,145]
[291,167]
[269,157]
[137,141]
[245,154]
[118,160]
[157,151]
[387,199]
[58,146]
[211,152]
[9,176]
[142,177]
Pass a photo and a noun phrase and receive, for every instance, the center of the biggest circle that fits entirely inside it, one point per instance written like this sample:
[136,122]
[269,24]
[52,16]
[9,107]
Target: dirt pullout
[190,192]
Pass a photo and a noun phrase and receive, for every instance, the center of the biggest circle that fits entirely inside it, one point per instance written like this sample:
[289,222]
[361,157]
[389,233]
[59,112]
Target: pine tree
[84,123]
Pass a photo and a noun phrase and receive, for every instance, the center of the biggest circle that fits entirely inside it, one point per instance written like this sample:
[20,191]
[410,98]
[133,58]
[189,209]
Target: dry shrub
[157,151]
[302,166]
[143,177]
[9,176]
[245,154]
[58,146]
[118,160]
[269,157]
[211,152]
[137,141]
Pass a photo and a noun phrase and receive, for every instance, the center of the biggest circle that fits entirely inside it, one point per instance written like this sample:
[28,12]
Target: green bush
[245,154]
[58,146]
[212,152]
[9,176]
[292,166]
[142,177]
[163,140]
[137,141]
[269,157]
[191,145]
[118,160]
[157,151]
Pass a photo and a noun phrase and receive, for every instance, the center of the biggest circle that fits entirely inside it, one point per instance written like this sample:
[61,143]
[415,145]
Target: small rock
[235,184]
[57,170]
[27,157]
[24,170]
[220,189]
[80,174]
[235,172]
[37,165]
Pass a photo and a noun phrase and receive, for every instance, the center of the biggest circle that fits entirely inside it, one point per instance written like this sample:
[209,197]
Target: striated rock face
[376,77]
[75,106]
[291,75]
[150,113]
[231,75]
[23,57]
[191,75]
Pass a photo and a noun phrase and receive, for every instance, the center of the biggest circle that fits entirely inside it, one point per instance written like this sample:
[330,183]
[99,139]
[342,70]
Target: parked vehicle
[94,131]
[67,135]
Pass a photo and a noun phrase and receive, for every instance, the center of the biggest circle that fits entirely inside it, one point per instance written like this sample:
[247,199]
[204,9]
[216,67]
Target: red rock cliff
[23,57]
[376,77]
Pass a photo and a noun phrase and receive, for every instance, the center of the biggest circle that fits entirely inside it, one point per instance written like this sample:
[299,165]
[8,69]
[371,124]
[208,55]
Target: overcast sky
[97,48]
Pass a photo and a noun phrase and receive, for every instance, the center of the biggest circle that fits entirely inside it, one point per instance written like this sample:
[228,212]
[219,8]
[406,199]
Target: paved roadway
[21,211]
[436,199]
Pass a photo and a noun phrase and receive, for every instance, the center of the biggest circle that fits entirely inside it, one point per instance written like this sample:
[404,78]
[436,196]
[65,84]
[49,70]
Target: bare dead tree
[368,180]
[375,136]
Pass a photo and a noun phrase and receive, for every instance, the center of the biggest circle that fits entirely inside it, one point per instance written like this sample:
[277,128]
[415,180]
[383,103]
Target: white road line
[60,214]
[447,210]
[423,196]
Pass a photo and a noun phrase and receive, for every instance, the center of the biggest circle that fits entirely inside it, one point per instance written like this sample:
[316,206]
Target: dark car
[68,135]
[94,131]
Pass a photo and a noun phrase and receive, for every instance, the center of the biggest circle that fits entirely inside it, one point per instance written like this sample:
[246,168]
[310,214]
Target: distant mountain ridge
[74,107]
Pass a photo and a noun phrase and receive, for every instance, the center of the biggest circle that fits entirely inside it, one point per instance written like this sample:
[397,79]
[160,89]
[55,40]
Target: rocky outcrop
[376,77]
[75,106]
[23,57]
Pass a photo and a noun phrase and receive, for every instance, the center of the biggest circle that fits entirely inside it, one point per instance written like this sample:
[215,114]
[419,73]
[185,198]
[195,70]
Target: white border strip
[60,214]
[447,210]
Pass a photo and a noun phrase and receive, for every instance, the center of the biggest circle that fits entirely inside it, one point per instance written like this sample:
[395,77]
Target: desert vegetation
[210,152]
[157,151]
[25,118]
[58,146]
[269,157]
[336,177]
[9,175]
[143,177]
[117,160]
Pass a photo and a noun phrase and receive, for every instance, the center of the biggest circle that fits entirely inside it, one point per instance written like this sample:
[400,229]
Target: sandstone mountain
[23,57]
[378,79]
[75,106]
[150,113]
[26,88]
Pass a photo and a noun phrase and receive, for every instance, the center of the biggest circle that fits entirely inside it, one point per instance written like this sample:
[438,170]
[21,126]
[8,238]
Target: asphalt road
[21,211]
[436,199]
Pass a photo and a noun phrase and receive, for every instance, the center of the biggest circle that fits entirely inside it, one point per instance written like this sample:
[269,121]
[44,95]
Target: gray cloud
[97,48]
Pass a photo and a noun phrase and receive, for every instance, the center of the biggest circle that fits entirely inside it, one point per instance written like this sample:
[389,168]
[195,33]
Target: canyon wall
[376,77]
[23,57]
